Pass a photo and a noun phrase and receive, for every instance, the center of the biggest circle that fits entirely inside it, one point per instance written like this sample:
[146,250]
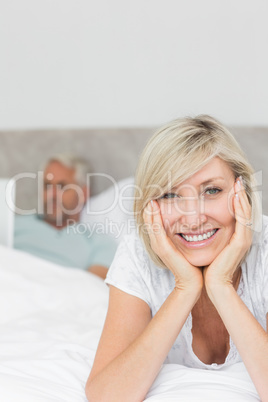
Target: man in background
[55,234]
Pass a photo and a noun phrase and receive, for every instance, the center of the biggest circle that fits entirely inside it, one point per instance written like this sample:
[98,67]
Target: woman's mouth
[198,239]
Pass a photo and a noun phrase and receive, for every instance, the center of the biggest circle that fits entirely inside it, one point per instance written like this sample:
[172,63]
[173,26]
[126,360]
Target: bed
[50,322]
[52,317]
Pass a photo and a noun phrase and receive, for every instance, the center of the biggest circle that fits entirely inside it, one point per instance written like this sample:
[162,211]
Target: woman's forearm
[130,375]
[247,334]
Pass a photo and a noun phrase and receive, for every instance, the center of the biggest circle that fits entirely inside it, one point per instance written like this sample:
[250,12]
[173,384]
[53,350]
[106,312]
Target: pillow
[111,211]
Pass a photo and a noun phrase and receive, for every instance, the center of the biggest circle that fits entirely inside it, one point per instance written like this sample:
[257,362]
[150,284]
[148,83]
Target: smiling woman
[200,217]
[190,166]
[192,287]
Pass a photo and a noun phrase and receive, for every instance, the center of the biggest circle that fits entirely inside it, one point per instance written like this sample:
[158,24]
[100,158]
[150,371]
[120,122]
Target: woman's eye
[212,191]
[169,196]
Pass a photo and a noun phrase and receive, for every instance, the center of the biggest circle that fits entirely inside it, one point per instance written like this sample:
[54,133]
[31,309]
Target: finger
[240,189]
[147,214]
[157,222]
[242,229]
[153,223]
[243,233]
[238,210]
[160,241]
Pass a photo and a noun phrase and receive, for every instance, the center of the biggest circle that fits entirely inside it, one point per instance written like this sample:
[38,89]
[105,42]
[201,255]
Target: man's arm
[98,270]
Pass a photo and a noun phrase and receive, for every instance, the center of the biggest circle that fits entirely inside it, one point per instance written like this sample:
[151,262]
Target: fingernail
[152,203]
[237,196]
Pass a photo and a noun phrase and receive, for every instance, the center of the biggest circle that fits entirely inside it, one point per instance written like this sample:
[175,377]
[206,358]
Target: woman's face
[201,206]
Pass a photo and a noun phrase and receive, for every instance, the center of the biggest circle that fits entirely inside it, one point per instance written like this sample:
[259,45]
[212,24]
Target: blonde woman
[192,287]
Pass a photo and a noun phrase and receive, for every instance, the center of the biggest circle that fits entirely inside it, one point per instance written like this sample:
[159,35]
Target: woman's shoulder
[264,223]
[260,236]
[131,258]
[263,249]
[133,271]
[257,257]
[265,228]
[132,253]
[132,245]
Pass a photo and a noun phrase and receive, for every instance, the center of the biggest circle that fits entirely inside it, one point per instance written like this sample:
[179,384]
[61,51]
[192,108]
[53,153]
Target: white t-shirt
[134,272]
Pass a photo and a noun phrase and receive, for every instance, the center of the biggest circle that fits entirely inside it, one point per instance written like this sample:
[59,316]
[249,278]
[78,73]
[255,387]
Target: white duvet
[50,322]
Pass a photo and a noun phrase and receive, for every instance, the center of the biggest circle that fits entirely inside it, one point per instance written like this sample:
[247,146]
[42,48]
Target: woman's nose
[193,211]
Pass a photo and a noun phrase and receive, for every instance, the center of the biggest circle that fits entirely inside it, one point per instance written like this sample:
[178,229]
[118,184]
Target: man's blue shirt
[72,246]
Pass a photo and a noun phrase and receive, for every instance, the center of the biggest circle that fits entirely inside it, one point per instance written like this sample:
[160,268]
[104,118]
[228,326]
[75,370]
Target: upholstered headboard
[110,151]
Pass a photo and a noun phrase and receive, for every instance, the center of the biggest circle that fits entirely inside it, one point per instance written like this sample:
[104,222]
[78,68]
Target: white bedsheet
[50,322]
[178,383]
[51,318]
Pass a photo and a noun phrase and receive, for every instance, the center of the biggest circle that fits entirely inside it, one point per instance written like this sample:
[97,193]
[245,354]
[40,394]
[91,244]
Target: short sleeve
[129,271]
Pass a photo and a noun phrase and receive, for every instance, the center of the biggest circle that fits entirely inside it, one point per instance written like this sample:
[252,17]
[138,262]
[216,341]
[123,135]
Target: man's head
[65,189]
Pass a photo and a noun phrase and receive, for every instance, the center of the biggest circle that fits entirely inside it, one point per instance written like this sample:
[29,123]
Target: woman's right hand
[186,275]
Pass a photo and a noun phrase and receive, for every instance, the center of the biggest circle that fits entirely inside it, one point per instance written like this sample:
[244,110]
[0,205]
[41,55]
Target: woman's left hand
[220,272]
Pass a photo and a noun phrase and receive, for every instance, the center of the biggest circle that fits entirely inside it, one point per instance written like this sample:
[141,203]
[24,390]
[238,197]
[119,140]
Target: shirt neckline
[232,354]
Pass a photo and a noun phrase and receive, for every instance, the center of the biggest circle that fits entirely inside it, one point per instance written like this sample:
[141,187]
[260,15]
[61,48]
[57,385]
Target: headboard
[111,151]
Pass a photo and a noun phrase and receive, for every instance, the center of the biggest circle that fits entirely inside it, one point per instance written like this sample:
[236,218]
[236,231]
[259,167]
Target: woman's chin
[200,262]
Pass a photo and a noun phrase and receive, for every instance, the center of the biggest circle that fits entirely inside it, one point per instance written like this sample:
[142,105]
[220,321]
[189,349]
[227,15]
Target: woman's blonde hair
[179,150]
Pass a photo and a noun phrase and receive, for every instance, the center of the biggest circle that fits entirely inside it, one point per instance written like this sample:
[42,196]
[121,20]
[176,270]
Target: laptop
[7,211]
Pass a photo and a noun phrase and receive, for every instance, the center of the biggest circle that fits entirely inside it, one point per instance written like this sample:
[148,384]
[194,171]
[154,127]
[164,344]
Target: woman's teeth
[200,237]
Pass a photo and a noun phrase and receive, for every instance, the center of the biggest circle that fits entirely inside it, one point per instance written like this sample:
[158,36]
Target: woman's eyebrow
[176,188]
[212,179]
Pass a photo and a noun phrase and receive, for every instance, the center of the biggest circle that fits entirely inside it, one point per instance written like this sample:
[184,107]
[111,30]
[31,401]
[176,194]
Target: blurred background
[97,77]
